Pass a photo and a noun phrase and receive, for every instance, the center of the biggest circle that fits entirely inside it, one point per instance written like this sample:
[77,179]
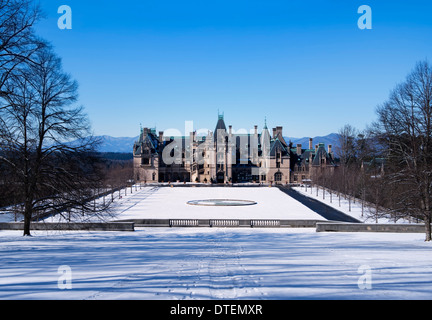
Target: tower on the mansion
[226,157]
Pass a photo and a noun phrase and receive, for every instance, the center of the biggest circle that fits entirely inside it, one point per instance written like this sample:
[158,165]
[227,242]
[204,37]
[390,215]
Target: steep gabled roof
[150,141]
[321,153]
[281,139]
[147,139]
[277,145]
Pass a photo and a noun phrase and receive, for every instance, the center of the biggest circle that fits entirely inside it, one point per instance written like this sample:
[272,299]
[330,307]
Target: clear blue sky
[305,65]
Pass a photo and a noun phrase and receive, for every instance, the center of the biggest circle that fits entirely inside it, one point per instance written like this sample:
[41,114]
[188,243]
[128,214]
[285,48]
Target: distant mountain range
[330,139]
[113,144]
[125,144]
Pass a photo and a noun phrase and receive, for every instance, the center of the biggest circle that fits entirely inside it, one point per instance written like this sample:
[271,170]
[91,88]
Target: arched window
[278,176]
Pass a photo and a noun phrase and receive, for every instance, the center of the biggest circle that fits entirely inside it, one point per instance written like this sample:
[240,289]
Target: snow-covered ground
[171,203]
[212,263]
[365,215]
[164,202]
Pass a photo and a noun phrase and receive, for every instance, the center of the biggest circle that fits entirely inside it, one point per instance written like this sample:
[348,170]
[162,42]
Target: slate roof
[220,125]
[276,146]
[321,154]
[147,139]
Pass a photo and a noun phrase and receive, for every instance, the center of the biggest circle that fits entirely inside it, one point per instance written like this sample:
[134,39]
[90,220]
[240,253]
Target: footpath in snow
[213,263]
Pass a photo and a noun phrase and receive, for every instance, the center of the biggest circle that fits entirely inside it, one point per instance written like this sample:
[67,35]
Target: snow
[8,216]
[212,263]
[171,203]
[165,202]
[356,207]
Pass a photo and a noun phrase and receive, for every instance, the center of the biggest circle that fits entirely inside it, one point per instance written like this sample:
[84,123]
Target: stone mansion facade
[224,157]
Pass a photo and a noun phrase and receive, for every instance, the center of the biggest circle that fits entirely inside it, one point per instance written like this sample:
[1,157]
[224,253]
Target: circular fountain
[221,202]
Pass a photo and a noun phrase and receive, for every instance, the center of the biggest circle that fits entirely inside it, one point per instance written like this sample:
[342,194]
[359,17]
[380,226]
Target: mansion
[224,157]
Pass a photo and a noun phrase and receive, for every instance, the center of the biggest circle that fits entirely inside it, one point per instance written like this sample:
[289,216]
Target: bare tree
[405,128]
[346,153]
[346,144]
[40,121]
[17,39]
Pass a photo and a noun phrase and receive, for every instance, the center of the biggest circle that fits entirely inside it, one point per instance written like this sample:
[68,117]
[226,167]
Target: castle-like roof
[321,153]
[220,125]
[147,139]
[278,146]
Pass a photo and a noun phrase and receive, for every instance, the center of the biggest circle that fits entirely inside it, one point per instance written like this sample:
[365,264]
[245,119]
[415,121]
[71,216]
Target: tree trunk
[428,226]
[26,226]
[27,218]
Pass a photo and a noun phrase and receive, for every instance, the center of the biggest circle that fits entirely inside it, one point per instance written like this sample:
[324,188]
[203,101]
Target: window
[278,176]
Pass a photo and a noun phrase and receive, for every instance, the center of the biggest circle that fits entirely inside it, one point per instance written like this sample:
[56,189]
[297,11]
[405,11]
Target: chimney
[310,144]
[274,132]
[230,129]
[316,148]
[256,130]
[279,130]
[329,148]
[160,136]
[299,149]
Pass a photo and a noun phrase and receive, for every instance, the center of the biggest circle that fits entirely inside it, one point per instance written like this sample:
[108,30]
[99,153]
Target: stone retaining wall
[114,226]
[225,223]
[370,227]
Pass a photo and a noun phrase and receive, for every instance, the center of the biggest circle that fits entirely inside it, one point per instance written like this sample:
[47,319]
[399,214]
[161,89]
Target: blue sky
[304,65]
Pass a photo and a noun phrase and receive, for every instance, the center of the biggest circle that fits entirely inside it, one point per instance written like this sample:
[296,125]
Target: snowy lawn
[354,209]
[210,263]
[171,203]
